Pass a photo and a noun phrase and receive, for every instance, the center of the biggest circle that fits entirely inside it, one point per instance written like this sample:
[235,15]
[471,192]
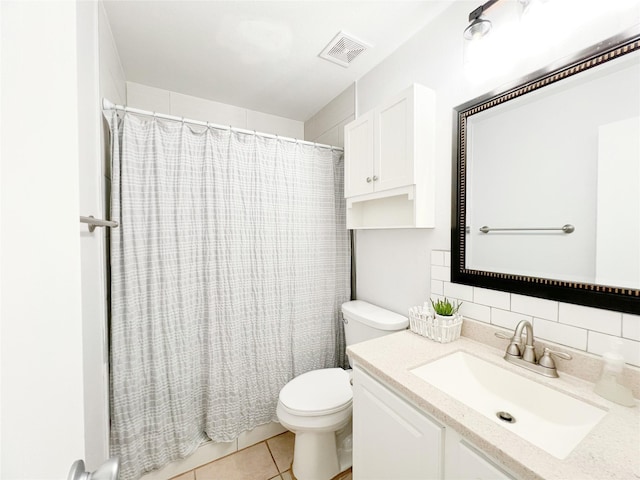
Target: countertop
[610,451]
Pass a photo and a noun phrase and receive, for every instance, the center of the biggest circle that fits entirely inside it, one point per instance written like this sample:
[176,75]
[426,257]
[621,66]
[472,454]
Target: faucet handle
[514,347]
[504,336]
[548,362]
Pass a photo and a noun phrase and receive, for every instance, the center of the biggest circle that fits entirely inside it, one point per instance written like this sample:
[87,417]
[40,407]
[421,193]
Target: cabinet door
[394,154]
[358,151]
[391,439]
[471,465]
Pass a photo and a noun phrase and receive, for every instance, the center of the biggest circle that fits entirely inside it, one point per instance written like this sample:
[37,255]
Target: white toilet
[316,405]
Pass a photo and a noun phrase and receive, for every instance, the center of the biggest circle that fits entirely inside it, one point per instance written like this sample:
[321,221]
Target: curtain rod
[107,105]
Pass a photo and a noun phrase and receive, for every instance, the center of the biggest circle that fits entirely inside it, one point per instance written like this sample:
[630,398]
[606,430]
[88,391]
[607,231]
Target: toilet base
[317,457]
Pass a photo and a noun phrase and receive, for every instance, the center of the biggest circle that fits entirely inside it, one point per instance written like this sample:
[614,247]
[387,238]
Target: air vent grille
[343,49]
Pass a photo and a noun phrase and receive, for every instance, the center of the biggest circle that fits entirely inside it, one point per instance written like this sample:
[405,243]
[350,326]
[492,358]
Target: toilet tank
[364,321]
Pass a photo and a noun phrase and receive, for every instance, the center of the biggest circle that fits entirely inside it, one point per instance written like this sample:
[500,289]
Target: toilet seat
[318,392]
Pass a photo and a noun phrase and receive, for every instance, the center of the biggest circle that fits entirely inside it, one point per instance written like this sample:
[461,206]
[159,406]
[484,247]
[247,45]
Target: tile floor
[268,460]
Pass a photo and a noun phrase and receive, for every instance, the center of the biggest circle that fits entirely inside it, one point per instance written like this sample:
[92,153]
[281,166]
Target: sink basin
[551,420]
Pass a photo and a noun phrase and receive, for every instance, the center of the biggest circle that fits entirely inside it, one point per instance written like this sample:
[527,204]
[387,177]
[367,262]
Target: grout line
[272,457]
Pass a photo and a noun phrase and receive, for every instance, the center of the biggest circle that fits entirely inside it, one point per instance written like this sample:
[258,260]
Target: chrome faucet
[545,366]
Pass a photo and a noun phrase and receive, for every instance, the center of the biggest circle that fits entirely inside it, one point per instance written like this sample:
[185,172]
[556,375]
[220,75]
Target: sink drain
[506,417]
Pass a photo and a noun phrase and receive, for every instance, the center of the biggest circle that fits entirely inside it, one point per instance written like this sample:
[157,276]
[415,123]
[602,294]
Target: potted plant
[444,309]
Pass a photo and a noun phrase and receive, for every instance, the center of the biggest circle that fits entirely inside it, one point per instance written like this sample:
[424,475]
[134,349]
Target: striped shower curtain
[228,271]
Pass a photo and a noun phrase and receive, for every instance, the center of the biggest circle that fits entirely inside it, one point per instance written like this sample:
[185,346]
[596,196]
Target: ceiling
[260,55]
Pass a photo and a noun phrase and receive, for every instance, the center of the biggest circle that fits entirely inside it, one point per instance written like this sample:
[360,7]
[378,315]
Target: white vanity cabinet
[393,440]
[389,163]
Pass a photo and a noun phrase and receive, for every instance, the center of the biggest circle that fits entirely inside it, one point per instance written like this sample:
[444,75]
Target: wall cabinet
[393,440]
[389,163]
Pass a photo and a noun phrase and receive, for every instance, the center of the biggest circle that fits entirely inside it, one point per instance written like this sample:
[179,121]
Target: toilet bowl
[316,406]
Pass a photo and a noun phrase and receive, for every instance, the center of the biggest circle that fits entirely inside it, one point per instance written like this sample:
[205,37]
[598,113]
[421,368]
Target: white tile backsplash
[492,298]
[507,319]
[458,291]
[603,321]
[576,326]
[437,258]
[478,312]
[441,273]
[558,333]
[631,326]
[600,344]
[538,307]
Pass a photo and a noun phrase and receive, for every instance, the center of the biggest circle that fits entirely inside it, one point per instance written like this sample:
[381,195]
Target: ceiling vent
[343,49]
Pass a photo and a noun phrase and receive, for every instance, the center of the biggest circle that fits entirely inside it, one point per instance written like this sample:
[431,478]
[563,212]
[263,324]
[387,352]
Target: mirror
[547,191]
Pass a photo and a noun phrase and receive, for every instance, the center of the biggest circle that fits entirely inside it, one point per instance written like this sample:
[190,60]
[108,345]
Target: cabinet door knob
[368,179]
[375,178]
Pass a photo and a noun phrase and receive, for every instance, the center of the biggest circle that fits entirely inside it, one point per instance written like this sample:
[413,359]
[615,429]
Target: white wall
[327,126]
[174,103]
[393,267]
[42,430]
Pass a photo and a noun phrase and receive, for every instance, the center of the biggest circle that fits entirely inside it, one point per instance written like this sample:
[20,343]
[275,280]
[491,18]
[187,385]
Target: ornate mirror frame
[594,295]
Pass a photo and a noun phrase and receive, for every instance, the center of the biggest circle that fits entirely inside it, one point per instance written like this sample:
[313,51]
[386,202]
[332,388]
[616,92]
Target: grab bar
[95,222]
[568,228]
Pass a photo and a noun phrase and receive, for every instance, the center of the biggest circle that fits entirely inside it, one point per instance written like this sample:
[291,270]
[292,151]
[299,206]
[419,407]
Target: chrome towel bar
[565,228]
[95,222]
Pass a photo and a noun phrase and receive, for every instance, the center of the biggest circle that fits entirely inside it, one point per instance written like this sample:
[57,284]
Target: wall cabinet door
[389,154]
[393,158]
[358,149]
[392,440]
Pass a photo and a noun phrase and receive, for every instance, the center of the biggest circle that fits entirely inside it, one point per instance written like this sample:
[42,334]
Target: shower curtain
[228,271]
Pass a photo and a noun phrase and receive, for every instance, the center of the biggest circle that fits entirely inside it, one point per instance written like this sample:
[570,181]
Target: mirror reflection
[567,154]
[547,192]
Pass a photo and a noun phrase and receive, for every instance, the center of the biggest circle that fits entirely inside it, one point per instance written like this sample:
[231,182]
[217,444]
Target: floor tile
[186,476]
[253,463]
[277,477]
[282,450]
[287,475]
[347,475]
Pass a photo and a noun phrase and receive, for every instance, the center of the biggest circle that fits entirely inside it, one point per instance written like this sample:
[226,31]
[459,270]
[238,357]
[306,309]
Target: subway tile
[437,287]
[492,298]
[475,311]
[437,257]
[458,291]
[603,321]
[506,319]
[447,259]
[440,273]
[601,344]
[537,307]
[558,333]
[631,326]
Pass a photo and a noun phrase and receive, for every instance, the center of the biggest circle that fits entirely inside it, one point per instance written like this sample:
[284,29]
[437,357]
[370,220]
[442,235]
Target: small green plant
[445,307]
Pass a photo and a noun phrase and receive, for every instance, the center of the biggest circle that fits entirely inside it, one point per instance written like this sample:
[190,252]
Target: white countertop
[610,451]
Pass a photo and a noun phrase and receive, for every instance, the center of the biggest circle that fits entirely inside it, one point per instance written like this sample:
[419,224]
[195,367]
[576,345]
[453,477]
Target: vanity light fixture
[478,26]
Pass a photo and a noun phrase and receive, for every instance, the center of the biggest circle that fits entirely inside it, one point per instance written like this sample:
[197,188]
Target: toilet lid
[319,391]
